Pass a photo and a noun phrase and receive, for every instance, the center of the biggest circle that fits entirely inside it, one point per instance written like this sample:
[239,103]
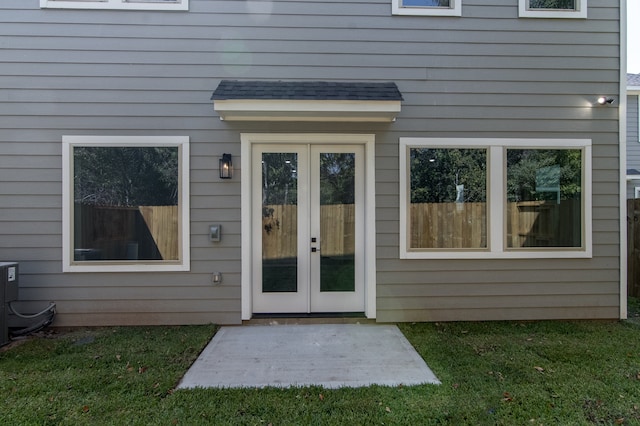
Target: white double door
[308,228]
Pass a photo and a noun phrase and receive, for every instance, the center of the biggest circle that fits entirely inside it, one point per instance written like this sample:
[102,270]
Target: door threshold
[314,318]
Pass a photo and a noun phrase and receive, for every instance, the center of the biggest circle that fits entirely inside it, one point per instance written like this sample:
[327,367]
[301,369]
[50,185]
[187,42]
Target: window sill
[111,5]
[553,14]
[515,254]
[121,267]
[417,11]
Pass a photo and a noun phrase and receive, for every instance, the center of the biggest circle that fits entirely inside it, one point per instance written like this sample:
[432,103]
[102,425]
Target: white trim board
[622,131]
[306,110]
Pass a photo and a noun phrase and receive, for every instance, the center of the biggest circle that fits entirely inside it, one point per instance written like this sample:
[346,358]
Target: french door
[308,228]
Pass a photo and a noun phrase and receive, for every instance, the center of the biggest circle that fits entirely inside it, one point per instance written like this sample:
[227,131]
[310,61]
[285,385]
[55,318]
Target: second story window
[117,4]
[552,8]
[427,7]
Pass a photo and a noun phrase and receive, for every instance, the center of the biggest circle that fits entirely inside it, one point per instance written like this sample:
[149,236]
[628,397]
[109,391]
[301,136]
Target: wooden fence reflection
[434,225]
[280,230]
[448,225]
[112,233]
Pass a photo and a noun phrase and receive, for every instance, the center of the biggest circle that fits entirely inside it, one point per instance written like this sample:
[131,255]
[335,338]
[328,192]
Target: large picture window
[126,203]
[117,4]
[427,7]
[553,8]
[486,198]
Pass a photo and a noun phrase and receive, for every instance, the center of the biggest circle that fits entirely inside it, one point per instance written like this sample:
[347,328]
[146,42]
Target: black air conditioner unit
[8,293]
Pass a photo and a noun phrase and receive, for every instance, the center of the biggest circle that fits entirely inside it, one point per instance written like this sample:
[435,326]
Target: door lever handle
[315,250]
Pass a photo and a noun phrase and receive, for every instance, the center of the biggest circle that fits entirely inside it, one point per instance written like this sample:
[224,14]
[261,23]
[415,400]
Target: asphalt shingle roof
[306,90]
[633,79]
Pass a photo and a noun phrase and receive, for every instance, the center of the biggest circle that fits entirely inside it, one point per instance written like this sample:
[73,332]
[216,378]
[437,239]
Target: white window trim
[454,10]
[496,208]
[68,264]
[116,4]
[635,91]
[525,12]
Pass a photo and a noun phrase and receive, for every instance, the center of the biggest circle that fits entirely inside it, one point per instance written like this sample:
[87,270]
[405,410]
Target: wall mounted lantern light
[603,100]
[226,167]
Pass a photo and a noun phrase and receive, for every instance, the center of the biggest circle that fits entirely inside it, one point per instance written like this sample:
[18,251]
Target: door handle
[315,250]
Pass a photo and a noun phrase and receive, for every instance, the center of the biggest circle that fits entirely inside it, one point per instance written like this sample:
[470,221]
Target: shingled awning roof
[306,101]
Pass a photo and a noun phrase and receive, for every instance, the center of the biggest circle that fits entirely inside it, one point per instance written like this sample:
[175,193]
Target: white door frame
[368,141]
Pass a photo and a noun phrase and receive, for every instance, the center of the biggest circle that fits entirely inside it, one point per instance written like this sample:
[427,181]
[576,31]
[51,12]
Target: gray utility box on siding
[8,293]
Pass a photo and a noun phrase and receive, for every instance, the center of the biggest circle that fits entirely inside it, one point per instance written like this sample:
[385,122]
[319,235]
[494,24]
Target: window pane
[448,198]
[337,221]
[125,203]
[426,3]
[553,4]
[279,222]
[544,198]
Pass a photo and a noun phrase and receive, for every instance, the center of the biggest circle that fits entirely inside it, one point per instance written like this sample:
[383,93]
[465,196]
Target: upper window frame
[496,199]
[579,13]
[166,5]
[454,10]
[638,122]
[69,142]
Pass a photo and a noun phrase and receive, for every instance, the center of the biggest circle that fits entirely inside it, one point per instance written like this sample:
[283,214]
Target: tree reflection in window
[448,188]
[544,197]
[125,203]
[553,4]
[427,3]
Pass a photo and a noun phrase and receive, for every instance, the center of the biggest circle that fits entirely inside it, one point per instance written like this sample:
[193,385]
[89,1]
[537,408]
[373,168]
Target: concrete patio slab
[329,355]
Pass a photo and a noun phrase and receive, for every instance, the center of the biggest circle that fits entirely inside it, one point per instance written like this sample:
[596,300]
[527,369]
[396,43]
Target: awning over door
[306,101]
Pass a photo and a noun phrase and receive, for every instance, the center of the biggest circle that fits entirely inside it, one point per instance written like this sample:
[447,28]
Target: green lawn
[496,373]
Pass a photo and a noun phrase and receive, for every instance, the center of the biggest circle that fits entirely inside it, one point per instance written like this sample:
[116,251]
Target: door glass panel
[279,222]
[337,222]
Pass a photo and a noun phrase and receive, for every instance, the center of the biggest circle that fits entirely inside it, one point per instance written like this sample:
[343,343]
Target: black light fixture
[226,167]
[603,100]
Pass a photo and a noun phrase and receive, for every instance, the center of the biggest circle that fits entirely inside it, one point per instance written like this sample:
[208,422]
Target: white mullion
[496,199]
[309,218]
